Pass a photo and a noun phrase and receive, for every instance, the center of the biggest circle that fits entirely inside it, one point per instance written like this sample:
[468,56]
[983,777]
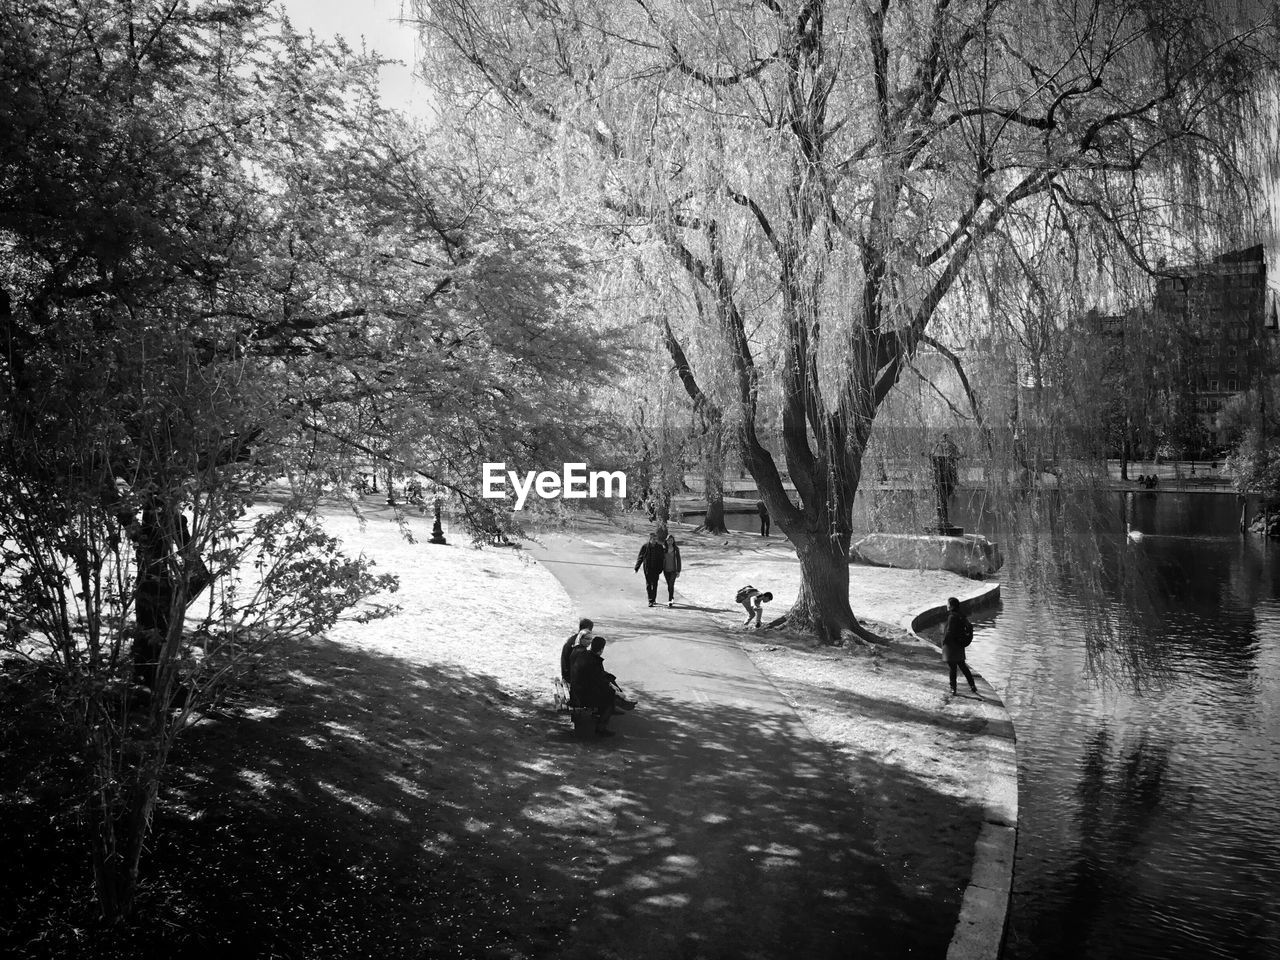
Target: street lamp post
[437,533]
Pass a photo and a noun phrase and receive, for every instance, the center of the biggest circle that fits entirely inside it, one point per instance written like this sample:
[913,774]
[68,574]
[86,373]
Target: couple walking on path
[659,560]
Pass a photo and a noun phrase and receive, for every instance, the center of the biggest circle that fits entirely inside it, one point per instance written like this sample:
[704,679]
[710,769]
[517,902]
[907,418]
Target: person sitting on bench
[590,685]
[576,640]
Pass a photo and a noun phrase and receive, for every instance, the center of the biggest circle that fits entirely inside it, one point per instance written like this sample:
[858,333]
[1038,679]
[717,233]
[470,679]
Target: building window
[1231,351]
[1231,385]
[1213,386]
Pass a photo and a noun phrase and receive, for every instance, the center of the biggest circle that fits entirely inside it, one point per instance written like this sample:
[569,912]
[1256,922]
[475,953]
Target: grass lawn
[402,788]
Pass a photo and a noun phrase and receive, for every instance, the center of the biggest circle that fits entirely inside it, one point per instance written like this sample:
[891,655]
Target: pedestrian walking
[651,558]
[957,635]
[764,517]
[671,568]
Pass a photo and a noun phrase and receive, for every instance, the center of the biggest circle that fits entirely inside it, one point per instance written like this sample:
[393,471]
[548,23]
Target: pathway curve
[738,837]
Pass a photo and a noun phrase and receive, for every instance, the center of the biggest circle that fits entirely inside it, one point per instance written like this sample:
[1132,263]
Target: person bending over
[753,602]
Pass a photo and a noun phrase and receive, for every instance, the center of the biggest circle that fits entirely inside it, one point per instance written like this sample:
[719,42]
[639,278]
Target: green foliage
[223,263]
[1252,421]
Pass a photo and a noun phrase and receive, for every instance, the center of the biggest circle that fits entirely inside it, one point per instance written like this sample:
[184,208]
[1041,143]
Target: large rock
[971,555]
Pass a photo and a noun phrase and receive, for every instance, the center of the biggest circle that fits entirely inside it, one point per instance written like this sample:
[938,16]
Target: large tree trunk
[124,797]
[822,605]
[153,596]
[714,523]
[713,481]
[156,590]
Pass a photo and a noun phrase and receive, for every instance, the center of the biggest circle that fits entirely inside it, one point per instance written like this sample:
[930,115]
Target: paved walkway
[739,837]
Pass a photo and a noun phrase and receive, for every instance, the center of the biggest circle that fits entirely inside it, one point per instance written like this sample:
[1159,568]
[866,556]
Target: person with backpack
[957,635]
[753,602]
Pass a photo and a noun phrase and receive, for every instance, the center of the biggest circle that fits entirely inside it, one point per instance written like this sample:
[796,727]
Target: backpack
[966,637]
[744,592]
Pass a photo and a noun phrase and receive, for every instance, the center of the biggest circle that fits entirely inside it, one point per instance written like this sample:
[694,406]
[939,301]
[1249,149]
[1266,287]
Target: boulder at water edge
[971,555]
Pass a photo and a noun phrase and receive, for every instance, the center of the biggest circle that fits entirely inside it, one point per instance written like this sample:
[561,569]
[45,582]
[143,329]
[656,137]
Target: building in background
[1208,335]
[1227,327]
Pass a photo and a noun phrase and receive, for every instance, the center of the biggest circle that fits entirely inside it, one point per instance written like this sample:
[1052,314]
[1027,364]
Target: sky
[374,21]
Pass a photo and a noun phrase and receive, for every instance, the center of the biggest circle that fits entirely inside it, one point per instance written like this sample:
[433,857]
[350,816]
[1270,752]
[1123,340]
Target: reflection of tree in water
[1140,610]
[1119,795]
[1118,798]
[1055,544]
[1075,544]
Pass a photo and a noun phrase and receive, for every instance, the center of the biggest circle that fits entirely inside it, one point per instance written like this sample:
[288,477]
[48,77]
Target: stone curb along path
[984,911]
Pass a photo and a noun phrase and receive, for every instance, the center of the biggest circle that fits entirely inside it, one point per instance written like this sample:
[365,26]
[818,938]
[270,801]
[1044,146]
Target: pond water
[1146,695]
[1149,802]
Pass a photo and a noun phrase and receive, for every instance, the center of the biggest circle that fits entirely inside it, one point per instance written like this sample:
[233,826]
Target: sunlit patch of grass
[297,676]
[408,786]
[363,804]
[257,781]
[346,731]
[260,713]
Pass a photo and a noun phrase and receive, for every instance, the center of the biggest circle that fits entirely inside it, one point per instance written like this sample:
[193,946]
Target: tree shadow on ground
[362,805]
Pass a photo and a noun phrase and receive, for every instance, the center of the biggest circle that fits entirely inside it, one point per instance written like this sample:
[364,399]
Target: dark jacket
[565,652]
[956,636]
[674,552]
[590,685]
[650,558]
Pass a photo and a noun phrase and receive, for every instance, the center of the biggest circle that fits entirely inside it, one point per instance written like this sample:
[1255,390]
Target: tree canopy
[225,262]
[825,175]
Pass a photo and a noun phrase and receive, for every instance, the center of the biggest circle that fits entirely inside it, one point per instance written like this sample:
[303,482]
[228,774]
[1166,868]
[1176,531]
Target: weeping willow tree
[831,178]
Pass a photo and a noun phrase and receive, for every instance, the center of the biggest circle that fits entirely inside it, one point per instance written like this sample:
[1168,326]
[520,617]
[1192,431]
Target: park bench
[577,713]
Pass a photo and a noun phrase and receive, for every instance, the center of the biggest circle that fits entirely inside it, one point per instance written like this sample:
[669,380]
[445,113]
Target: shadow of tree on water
[367,806]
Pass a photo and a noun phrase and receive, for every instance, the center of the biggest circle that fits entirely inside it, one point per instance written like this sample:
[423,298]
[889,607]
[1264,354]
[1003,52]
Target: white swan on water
[1135,536]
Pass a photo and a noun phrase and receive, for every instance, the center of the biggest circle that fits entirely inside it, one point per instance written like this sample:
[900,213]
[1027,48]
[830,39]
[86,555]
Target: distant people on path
[590,685]
[671,568]
[651,507]
[957,635]
[651,557]
[579,639]
[753,602]
[764,517]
